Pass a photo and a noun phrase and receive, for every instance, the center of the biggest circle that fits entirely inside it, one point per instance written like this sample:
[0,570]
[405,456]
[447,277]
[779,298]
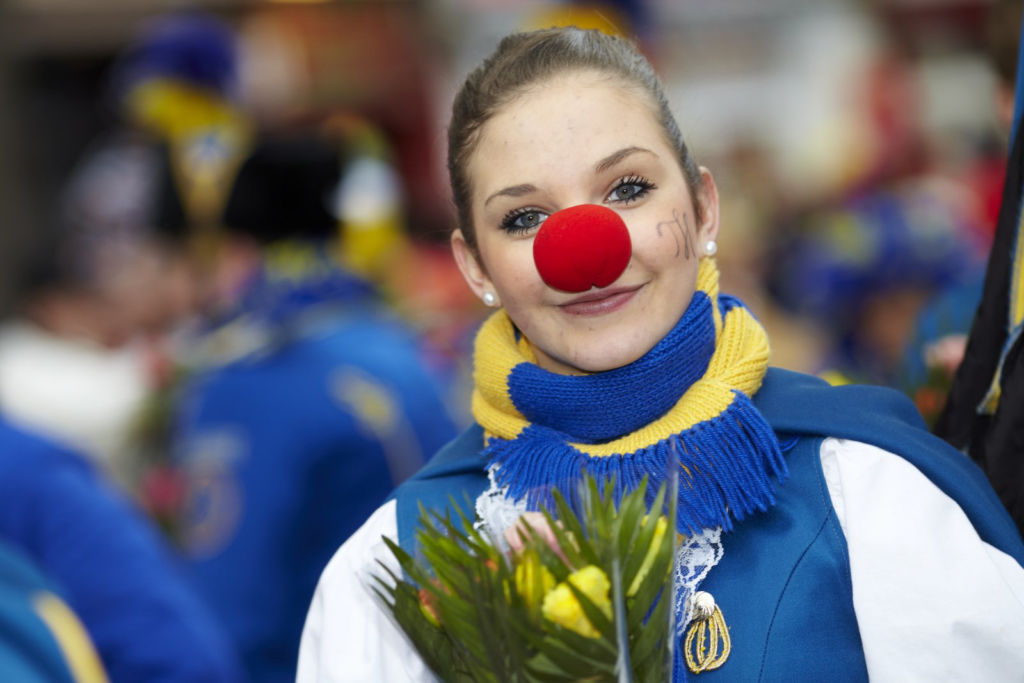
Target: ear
[707,196]
[470,266]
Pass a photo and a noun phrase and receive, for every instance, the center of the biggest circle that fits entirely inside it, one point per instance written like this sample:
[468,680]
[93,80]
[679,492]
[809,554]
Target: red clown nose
[582,247]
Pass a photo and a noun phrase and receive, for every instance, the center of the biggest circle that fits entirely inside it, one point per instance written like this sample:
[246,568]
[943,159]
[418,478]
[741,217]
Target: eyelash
[642,183]
[508,221]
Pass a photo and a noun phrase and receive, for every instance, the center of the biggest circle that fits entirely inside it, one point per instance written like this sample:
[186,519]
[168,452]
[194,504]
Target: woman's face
[583,138]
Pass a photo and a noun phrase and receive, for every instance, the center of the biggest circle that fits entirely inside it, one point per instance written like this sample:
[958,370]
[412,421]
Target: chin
[596,352]
[608,359]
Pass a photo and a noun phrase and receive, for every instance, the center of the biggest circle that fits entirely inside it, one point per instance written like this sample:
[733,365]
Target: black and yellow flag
[984,414]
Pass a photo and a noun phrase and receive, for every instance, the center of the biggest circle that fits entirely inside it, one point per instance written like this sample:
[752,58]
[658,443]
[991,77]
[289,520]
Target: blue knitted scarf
[687,402]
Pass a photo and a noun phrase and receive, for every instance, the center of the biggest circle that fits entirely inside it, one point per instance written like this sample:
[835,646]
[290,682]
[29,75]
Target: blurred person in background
[293,76]
[910,221]
[104,284]
[107,281]
[940,331]
[308,401]
[866,267]
[70,360]
[176,89]
[111,278]
[113,568]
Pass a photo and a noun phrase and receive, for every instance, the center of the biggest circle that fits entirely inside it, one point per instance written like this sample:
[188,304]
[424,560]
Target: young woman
[844,540]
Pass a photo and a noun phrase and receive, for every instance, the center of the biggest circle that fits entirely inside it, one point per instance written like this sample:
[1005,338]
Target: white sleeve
[933,601]
[349,636]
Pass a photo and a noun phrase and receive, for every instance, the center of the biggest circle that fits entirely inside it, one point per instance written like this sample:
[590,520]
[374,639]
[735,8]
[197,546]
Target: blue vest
[784,582]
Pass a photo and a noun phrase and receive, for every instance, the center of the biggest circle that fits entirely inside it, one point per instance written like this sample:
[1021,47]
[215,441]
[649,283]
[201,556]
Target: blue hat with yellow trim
[197,49]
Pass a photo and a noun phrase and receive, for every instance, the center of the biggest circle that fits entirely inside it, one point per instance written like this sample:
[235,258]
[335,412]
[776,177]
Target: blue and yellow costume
[853,542]
[793,558]
[319,404]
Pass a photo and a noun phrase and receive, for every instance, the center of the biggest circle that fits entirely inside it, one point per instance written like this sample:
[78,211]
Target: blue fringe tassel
[729,466]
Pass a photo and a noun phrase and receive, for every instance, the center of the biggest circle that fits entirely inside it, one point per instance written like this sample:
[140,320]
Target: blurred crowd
[232,323]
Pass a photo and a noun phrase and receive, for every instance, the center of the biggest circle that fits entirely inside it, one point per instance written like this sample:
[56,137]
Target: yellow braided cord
[739,362]
[701,647]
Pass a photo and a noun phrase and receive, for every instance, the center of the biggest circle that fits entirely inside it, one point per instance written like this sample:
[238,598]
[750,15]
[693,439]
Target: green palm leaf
[489,631]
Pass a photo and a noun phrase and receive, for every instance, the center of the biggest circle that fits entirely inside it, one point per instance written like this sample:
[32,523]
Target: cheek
[511,269]
[664,238]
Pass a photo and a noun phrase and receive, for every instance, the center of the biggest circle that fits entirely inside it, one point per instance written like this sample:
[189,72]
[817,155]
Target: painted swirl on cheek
[679,228]
[582,247]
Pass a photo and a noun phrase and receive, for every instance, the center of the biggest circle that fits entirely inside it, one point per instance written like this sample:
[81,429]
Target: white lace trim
[696,556]
[495,512]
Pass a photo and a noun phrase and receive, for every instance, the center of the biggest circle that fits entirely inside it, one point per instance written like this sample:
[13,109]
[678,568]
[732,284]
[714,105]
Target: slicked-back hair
[526,59]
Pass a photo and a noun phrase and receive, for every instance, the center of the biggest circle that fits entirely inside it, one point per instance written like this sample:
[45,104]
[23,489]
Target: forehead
[570,120]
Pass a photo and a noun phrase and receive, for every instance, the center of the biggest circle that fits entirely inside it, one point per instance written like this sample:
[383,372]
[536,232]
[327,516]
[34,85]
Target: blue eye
[522,220]
[630,189]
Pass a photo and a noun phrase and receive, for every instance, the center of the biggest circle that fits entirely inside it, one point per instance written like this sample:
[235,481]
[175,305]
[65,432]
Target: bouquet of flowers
[576,596]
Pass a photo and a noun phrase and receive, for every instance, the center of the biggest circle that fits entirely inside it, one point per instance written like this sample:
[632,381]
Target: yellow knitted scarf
[691,392]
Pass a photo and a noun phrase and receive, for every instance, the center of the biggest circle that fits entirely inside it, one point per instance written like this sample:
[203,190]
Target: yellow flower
[562,607]
[652,552]
[428,606]
[533,579]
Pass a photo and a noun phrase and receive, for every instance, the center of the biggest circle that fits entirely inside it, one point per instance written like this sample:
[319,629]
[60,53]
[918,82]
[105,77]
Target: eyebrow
[616,157]
[602,165]
[513,191]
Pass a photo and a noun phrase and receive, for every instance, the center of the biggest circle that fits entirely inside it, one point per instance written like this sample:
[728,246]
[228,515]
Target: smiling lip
[600,302]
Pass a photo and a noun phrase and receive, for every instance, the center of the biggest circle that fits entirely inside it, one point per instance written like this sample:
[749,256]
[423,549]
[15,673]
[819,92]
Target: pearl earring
[710,248]
[490,299]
